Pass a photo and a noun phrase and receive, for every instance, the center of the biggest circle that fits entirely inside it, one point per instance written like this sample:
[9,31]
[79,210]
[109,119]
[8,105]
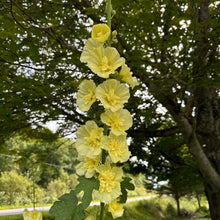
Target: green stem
[104,153]
[109,14]
[33,187]
[102,211]
[103,158]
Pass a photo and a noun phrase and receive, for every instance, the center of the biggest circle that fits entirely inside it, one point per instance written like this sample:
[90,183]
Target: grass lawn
[157,208]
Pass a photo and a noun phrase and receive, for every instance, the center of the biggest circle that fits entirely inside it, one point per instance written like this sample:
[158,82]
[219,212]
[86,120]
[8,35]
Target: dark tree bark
[177,198]
[198,200]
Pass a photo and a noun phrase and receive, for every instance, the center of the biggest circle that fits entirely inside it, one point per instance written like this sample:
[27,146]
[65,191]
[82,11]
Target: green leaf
[79,214]
[126,185]
[65,207]
[87,185]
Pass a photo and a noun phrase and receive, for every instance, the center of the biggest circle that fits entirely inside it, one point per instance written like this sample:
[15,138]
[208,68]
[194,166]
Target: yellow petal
[117,148]
[87,166]
[90,217]
[116,209]
[112,94]
[109,179]
[32,215]
[104,61]
[90,45]
[100,32]
[126,76]
[86,95]
[120,121]
[89,139]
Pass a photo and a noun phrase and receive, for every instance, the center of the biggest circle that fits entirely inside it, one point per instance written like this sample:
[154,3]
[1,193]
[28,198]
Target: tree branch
[156,133]
[48,30]
[205,166]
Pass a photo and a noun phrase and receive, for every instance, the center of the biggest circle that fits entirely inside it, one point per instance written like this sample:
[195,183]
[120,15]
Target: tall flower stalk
[101,142]
[106,144]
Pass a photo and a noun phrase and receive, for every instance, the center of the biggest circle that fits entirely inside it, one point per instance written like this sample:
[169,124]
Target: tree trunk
[177,198]
[198,200]
[200,128]
[208,160]
[214,203]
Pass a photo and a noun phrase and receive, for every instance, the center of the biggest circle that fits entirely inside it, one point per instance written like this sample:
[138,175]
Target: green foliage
[18,189]
[13,187]
[56,188]
[64,183]
[47,159]
[87,185]
[126,185]
[67,208]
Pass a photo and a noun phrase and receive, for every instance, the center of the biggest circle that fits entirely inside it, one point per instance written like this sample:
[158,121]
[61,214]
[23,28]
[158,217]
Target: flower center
[111,98]
[115,148]
[94,140]
[91,163]
[34,215]
[107,182]
[99,34]
[116,123]
[90,97]
[105,65]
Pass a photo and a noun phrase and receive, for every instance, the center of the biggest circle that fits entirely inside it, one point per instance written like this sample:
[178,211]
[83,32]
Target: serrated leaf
[87,185]
[126,184]
[65,207]
[79,214]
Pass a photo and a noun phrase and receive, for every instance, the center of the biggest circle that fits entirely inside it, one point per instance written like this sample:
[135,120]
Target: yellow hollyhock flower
[117,148]
[116,209]
[86,95]
[109,179]
[90,45]
[100,32]
[90,217]
[87,166]
[32,215]
[104,61]
[112,94]
[126,76]
[120,121]
[89,139]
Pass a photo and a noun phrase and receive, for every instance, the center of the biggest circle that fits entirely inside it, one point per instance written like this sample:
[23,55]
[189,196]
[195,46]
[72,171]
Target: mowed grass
[160,208]
[156,208]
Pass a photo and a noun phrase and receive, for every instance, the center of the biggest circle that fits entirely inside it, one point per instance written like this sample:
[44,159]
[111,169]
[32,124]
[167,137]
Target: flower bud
[114,33]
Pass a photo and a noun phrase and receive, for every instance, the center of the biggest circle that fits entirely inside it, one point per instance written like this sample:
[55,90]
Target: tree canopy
[172,48]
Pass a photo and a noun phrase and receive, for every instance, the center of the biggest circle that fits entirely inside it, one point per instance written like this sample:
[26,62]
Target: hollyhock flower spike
[100,148]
